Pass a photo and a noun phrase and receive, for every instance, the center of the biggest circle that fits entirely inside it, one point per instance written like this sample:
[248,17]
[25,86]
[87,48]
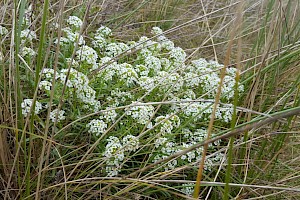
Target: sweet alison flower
[60,116]
[73,37]
[26,105]
[141,113]
[87,54]
[75,21]
[188,188]
[103,31]
[155,70]
[27,35]
[27,52]
[97,127]
[3,30]
[109,115]
[130,143]
[45,85]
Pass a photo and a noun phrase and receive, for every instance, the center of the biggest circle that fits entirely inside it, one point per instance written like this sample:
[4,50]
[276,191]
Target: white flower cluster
[97,126]
[87,54]
[188,138]
[154,70]
[140,113]
[115,49]
[78,82]
[27,35]
[167,123]
[118,97]
[3,30]
[47,73]
[100,37]
[45,85]
[109,115]
[71,37]
[196,110]
[27,16]
[75,21]
[130,143]
[60,116]
[165,149]
[103,31]
[115,152]
[26,105]
[27,52]
[188,188]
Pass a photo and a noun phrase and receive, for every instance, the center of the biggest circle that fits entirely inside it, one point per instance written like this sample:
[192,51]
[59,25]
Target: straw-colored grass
[261,38]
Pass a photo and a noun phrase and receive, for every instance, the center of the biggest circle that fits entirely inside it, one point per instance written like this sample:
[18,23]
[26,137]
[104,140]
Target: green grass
[40,160]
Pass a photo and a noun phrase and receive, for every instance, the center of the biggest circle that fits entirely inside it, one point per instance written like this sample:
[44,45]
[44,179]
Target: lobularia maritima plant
[149,71]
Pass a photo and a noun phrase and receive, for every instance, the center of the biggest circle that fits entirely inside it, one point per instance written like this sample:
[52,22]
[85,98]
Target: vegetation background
[263,37]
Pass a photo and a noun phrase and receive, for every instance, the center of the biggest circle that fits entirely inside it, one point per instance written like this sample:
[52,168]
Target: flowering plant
[143,99]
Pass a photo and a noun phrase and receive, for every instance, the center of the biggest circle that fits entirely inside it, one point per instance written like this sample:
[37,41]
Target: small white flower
[113,50]
[60,116]
[188,188]
[88,54]
[76,79]
[114,151]
[152,62]
[147,83]
[141,113]
[3,30]
[97,126]
[156,31]
[62,41]
[27,35]
[74,37]
[177,55]
[45,85]
[130,143]
[160,141]
[75,21]
[27,52]
[26,105]
[99,42]
[103,31]
[47,73]
[109,115]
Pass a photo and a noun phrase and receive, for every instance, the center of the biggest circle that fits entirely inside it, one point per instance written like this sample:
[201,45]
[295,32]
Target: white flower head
[73,37]
[141,113]
[87,54]
[60,116]
[103,31]
[114,151]
[130,143]
[26,105]
[147,83]
[47,74]
[97,126]
[76,79]
[109,115]
[75,21]
[28,52]
[156,31]
[27,35]
[3,30]
[99,42]
[188,188]
[177,55]
[45,85]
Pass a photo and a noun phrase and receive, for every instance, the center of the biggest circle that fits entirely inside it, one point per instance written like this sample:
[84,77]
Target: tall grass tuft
[132,99]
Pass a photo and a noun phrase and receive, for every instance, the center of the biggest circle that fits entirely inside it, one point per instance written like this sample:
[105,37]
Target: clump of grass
[90,113]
